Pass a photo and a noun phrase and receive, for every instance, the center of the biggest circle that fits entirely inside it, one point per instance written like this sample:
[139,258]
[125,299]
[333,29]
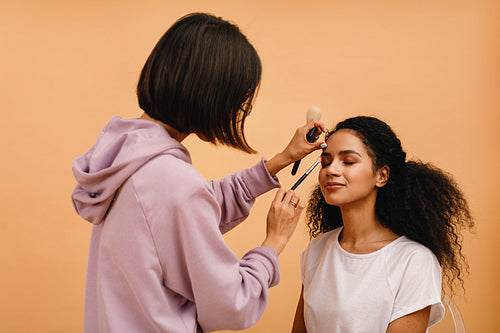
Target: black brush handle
[310,137]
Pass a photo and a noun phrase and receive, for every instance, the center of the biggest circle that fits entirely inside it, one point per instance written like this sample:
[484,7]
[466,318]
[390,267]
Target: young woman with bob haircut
[383,230]
[158,261]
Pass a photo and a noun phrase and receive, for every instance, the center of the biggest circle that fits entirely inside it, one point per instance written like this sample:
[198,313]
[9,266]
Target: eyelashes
[326,161]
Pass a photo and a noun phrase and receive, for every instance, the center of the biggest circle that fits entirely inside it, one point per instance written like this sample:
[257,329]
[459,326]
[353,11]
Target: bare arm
[415,322]
[299,325]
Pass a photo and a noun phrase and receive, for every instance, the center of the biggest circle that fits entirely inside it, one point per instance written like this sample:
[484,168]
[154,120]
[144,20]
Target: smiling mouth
[330,186]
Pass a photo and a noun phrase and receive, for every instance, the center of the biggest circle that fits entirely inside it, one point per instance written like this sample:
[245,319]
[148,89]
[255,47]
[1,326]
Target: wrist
[277,163]
[277,244]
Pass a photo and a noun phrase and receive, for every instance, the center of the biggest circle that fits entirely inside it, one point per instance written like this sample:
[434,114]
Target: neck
[172,131]
[361,225]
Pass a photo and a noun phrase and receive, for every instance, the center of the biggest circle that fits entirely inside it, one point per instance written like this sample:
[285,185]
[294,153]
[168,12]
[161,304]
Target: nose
[333,170]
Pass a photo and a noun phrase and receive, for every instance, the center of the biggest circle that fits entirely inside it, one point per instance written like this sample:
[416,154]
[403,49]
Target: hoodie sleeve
[236,193]
[196,262]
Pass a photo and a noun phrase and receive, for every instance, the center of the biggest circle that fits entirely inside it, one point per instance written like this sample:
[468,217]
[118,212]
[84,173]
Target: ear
[382,176]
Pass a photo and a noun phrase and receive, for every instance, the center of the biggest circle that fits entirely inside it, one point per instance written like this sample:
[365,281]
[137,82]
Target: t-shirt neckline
[364,255]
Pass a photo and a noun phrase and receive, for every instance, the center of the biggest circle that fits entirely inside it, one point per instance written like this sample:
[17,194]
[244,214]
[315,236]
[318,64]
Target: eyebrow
[343,152]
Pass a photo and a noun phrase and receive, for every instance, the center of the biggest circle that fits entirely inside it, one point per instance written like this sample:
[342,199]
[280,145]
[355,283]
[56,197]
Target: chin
[333,202]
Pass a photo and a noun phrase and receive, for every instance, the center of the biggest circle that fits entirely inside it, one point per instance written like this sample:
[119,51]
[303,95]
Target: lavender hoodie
[157,261]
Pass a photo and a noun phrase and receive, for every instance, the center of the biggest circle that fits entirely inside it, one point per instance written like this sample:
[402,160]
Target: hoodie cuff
[268,257]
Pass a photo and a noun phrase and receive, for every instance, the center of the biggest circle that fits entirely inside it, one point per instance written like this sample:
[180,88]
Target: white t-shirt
[348,293]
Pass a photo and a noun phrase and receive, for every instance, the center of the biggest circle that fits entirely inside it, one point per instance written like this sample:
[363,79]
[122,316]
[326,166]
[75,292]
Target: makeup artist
[158,261]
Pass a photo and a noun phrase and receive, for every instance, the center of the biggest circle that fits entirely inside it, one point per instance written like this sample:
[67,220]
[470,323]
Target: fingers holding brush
[304,141]
[297,148]
[282,219]
[314,129]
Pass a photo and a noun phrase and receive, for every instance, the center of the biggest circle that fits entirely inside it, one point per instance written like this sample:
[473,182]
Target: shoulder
[407,250]
[323,240]
[318,246]
[169,179]
[415,279]
[408,260]
[171,168]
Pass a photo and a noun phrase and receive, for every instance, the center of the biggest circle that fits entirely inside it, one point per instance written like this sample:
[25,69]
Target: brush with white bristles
[312,113]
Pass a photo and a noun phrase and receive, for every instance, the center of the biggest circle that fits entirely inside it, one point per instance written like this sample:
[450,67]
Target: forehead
[343,140]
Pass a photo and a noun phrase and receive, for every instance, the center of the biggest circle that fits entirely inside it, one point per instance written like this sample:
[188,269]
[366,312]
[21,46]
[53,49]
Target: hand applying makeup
[313,113]
[297,148]
[282,219]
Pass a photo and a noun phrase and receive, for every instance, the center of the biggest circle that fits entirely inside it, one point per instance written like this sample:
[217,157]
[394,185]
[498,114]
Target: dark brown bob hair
[201,77]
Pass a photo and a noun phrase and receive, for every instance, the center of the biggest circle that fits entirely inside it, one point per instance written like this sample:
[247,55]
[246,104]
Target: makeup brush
[301,179]
[312,113]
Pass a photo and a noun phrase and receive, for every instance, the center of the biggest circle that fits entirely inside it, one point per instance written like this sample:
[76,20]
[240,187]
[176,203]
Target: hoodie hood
[123,146]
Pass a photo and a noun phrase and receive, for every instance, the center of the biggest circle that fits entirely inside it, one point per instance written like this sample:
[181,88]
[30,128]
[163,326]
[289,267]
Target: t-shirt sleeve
[310,258]
[419,286]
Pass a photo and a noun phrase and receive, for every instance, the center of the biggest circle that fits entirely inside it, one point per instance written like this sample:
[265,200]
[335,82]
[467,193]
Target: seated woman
[384,229]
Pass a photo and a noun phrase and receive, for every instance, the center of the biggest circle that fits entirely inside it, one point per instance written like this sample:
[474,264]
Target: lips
[331,186]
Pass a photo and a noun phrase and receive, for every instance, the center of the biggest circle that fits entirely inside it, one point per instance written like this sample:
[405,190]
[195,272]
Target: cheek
[322,178]
[358,177]
[365,178]
[321,174]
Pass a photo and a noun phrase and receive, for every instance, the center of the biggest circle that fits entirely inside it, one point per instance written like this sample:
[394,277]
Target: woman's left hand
[282,219]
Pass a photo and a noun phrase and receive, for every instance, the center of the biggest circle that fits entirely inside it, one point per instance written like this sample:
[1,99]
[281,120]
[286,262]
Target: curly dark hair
[419,201]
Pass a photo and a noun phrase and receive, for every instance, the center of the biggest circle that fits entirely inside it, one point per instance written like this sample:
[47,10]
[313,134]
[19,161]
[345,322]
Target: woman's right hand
[282,219]
[297,148]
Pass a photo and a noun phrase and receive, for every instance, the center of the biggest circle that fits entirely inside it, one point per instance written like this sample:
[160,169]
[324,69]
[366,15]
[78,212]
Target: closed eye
[326,160]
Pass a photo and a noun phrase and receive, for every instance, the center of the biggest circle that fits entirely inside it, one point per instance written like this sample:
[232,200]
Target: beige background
[431,69]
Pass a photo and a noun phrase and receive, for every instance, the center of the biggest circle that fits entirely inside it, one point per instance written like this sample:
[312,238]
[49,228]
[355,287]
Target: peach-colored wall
[431,69]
